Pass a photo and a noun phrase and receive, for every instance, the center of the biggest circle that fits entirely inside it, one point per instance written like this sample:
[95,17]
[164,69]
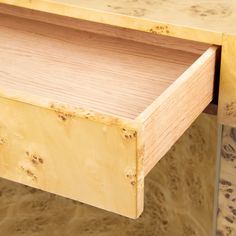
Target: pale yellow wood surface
[104,29]
[179,194]
[181,19]
[91,159]
[227,96]
[205,21]
[126,14]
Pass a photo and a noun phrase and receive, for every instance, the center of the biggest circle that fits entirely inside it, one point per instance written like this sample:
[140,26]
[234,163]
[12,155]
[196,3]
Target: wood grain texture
[102,73]
[227,96]
[210,22]
[178,198]
[91,159]
[127,14]
[132,78]
[91,95]
[197,14]
[105,29]
[227,194]
[180,108]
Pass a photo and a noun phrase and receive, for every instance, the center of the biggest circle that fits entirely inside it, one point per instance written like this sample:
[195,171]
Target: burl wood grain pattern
[179,198]
[227,96]
[53,150]
[199,16]
[205,21]
[227,194]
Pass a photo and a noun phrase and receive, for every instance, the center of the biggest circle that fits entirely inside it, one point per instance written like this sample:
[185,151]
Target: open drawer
[87,116]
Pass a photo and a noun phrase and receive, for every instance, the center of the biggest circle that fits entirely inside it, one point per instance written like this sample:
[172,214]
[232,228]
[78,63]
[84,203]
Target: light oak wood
[87,115]
[180,108]
[92,71]
[105,29]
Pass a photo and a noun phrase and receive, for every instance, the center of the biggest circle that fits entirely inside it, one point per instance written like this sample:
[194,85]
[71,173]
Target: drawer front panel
[79,158]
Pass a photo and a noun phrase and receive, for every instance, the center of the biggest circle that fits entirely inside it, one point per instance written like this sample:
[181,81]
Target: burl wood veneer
[179,198]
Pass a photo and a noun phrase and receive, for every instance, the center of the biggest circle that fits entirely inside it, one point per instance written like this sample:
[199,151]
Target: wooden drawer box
[87,115]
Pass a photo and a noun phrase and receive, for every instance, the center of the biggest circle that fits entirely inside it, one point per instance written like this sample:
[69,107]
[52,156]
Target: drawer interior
[103,73]
[116,99]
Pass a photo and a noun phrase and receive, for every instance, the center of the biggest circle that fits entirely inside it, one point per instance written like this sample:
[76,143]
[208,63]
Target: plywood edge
[166,119]
[115,19]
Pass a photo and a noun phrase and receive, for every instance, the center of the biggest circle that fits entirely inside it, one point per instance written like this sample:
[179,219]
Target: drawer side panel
[175,110]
